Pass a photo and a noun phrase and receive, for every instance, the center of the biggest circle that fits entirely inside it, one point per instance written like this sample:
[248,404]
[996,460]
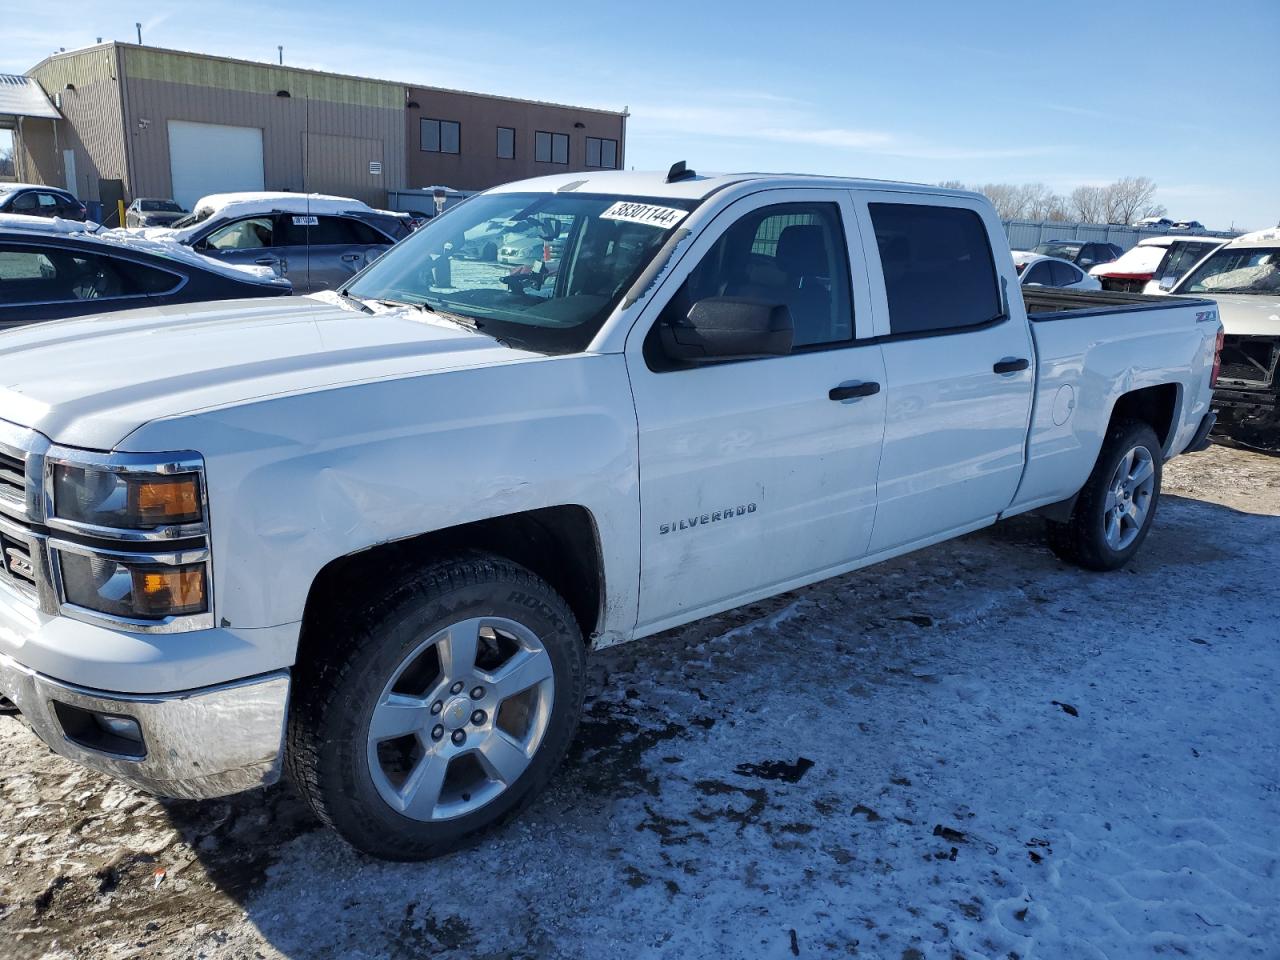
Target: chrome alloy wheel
[460,719]
[1129,498]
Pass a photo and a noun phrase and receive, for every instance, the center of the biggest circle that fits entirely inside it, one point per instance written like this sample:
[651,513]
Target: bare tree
[1040,203]
[1130,199]
[1089,204]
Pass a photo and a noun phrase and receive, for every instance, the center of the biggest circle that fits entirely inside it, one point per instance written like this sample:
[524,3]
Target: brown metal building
[146,122]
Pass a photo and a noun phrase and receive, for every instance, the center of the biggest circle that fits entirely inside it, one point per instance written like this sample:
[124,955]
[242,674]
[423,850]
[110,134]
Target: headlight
[125,501]
[135,591]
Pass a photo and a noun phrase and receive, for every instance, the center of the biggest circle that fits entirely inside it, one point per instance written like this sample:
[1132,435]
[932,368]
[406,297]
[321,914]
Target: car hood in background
[90,382]
[1247,314]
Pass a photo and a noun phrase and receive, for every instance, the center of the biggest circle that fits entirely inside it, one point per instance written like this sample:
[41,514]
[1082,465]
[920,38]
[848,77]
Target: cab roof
[700,186]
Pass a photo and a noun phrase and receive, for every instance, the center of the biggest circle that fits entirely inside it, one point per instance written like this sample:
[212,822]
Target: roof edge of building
[403,85]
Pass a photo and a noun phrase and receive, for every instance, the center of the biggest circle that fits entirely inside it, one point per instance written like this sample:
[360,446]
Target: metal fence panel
[1025,234]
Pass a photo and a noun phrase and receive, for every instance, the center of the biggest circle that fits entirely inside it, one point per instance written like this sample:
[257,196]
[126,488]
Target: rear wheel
[1117,504]
[440,710]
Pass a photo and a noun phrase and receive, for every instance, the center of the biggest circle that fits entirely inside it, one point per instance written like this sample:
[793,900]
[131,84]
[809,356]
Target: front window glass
[541,271]
[247,234]
[1243,270]
[1067,251]
[159,206]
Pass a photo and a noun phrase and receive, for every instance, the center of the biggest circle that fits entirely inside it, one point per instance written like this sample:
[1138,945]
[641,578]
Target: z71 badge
[701,520]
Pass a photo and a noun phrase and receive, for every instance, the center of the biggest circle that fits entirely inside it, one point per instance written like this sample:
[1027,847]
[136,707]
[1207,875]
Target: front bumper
[194,744]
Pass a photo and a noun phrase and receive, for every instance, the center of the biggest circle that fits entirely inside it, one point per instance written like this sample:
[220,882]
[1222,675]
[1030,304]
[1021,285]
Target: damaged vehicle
[370,537]
[1243,279]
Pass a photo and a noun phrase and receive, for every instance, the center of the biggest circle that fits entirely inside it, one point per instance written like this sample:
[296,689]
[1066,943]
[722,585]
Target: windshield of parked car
[1059,248]
[159,206]
[540,270]
[1242,270]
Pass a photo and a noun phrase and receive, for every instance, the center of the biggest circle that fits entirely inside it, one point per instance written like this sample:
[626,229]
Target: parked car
[481,242]
[47,273]
[33,200]
[1154,222]
[1187,225]
[1037,271]
[1083,253]
[1181,254]
[1243,278]
[318,242]
[401,513]
[153,212]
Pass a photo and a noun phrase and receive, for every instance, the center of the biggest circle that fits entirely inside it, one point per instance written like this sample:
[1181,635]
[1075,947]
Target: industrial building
[117,120]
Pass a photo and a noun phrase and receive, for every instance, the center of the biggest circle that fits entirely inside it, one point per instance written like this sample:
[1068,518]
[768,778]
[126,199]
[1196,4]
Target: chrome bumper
[195,744]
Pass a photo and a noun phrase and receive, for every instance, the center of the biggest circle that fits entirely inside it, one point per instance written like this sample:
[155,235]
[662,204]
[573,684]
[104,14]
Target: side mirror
[723,327]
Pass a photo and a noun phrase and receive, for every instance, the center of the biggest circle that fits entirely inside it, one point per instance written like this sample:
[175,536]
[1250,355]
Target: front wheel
[1117,504]
[439,710]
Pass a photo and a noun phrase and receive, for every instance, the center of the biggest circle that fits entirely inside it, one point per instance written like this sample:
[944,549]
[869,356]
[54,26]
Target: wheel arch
[1157,405]
[561,544]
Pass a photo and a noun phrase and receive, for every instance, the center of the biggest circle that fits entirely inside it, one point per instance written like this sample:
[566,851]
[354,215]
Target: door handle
[1011,365]
[853,391]
[266,261]
[350,257]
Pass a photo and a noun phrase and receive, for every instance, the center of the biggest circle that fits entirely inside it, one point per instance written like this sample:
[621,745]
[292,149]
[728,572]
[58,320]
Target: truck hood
[1248,314]
[90,382]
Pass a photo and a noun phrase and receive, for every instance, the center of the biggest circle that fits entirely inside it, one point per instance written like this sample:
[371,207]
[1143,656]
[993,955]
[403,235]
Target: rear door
[339,248]
[753,474]
[958,371]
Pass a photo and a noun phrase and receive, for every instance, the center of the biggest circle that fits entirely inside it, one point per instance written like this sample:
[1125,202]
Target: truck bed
[1049,303]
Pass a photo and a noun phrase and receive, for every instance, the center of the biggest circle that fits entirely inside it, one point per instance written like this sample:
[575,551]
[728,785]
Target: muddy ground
[976,751]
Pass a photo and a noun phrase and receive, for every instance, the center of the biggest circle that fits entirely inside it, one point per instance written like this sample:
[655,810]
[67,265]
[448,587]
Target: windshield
[1243,270]
[159,206]
[1063,249]
[541,270]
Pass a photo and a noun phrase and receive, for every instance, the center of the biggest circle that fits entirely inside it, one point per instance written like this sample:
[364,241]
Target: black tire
[335,692]
[1082,539]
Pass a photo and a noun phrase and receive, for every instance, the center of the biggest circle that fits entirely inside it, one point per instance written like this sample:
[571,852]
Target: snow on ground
[976,751]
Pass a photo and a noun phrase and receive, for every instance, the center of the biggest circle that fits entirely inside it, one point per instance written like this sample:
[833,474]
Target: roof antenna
[680,172]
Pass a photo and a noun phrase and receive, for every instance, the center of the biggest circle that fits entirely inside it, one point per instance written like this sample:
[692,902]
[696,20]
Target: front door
[753,474]
[338,249]
[959,369]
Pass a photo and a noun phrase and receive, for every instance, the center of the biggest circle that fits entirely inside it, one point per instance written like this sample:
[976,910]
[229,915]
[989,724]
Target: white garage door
[209,158]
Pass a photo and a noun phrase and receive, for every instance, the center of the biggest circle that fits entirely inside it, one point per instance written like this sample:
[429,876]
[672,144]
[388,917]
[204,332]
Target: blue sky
[1065,93]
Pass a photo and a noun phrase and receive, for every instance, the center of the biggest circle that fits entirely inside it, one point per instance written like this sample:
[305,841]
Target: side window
[248,234]
[938,272]
[59,275]
[792,254]
[1064,274]
[48,202]
[24,203]
[345,232]
[1039,273]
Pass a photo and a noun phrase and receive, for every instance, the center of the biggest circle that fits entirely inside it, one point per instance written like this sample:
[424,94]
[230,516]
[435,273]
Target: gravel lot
[975,751]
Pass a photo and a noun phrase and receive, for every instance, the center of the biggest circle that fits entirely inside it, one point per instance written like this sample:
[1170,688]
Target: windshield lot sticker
[646,213]
[306,222]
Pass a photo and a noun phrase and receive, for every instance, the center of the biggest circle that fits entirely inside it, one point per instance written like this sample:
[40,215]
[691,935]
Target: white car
[1037,271]
[372,537]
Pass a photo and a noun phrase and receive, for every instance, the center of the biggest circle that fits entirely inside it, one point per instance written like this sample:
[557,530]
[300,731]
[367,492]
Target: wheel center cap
[456,713]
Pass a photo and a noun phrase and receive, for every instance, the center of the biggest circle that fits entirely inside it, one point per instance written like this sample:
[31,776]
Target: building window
[551,147]
[506,143]
[602,153]
[441,136]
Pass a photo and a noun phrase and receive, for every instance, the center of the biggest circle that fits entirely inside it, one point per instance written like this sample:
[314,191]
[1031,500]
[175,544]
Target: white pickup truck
[370,538]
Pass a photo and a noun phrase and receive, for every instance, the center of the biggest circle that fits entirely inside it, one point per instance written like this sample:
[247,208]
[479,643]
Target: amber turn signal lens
[166,500]
[169,592]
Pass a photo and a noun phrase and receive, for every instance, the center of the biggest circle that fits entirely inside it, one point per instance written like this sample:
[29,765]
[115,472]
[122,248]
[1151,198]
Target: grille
[13,476]
[15,561]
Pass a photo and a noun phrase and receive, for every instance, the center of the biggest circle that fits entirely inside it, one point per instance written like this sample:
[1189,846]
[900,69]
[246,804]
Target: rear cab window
[939,274]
